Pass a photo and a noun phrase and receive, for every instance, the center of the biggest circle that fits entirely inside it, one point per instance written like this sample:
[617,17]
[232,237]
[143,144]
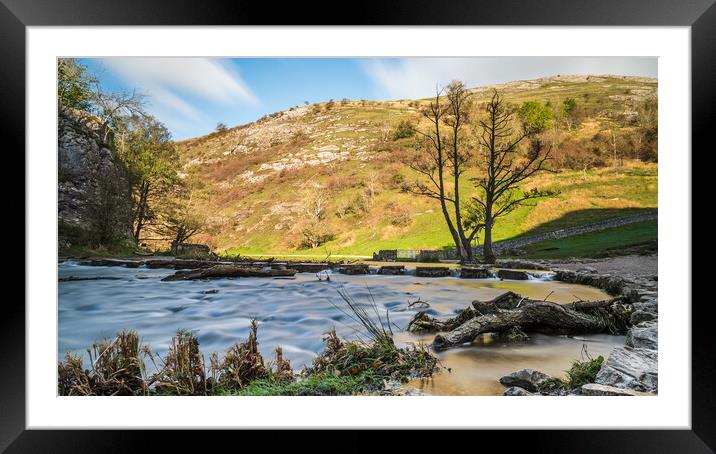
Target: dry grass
[116,369]
[242,364]
[183,371]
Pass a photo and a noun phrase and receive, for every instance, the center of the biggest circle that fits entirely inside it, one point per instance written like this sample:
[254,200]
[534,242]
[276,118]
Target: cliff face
[93,188]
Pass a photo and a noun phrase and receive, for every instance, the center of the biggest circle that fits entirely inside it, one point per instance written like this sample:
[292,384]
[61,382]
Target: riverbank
[629,370]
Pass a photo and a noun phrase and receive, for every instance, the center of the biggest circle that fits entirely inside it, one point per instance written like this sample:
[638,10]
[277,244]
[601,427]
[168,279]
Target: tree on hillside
[112,106]
[508,158]
[569,111]
[442,159]
[221,126]
[179,220]
[74,84]
[145,145]
[647,129]
[312,225]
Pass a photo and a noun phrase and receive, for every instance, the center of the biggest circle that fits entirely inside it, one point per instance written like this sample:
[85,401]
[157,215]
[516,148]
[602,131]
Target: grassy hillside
[637,238]
[253,183]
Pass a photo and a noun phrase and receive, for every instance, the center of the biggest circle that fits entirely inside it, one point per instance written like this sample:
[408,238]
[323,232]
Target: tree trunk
[488,255]
[141,212]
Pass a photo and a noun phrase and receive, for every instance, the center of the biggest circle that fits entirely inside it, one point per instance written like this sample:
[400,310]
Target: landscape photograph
[418,226]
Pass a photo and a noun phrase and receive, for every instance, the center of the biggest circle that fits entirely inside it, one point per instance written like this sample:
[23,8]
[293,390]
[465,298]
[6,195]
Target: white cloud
[417,77]
[176,85]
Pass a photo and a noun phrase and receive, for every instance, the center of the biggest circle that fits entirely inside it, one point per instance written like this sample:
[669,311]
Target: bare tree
[312,227]
[506,164]
[180,222]
[443,156]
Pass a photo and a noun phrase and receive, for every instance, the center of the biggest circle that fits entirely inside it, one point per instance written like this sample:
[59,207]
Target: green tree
[74,84]
[145,145]
[569,111]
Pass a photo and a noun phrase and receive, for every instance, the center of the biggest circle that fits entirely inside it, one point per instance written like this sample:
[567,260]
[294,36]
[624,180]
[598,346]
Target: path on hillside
[577,230]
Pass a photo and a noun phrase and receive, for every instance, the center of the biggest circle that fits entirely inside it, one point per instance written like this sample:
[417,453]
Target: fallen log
[538,316]
[422,322]
[225,271]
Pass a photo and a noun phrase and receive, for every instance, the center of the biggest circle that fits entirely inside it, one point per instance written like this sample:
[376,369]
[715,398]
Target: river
[295,312]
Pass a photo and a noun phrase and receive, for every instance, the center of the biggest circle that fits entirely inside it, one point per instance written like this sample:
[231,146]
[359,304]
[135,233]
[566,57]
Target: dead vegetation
[344,367]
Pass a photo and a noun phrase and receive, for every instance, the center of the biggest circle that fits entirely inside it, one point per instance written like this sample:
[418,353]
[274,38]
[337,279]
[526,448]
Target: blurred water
[296,312]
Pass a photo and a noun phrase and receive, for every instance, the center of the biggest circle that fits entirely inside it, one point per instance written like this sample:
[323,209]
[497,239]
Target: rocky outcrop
[633,368]
[644,335]
[594,389]
[92,182]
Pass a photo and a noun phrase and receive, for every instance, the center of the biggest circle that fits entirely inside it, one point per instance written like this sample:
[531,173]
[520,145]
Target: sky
[191,95]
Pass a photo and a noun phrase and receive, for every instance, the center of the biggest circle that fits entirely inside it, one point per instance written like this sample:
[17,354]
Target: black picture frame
[700,15]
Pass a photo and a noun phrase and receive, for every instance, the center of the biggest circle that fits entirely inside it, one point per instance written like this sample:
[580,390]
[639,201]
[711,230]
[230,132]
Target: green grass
[312,385]
[630,238]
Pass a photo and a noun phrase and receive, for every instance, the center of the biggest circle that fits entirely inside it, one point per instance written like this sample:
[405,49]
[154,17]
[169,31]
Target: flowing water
[296,312]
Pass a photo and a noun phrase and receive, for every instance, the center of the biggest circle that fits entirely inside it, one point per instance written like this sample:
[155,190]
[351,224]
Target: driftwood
[511,311]
[224,271]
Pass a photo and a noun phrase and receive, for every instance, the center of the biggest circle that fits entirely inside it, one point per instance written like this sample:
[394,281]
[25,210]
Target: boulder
[528,379]
[595,389]
[633,368]
[644,335]
[517,391]
[512,275]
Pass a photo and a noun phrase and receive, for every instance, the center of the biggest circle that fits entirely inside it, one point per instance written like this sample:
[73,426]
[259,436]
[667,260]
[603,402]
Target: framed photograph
[438,218]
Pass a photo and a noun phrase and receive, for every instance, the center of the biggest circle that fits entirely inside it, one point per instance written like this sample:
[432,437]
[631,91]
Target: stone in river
[512,275]
[517,391]
[529,379]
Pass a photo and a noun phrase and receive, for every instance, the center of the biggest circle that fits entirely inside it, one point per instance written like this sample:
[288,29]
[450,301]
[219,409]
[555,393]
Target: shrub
[404,130]
[398,215]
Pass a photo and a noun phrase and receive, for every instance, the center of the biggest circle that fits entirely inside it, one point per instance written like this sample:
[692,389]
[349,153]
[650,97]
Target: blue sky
[190,95]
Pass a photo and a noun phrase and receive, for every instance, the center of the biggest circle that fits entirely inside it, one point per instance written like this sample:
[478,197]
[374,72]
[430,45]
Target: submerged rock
[644,335]
[633,368]
[528,379]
